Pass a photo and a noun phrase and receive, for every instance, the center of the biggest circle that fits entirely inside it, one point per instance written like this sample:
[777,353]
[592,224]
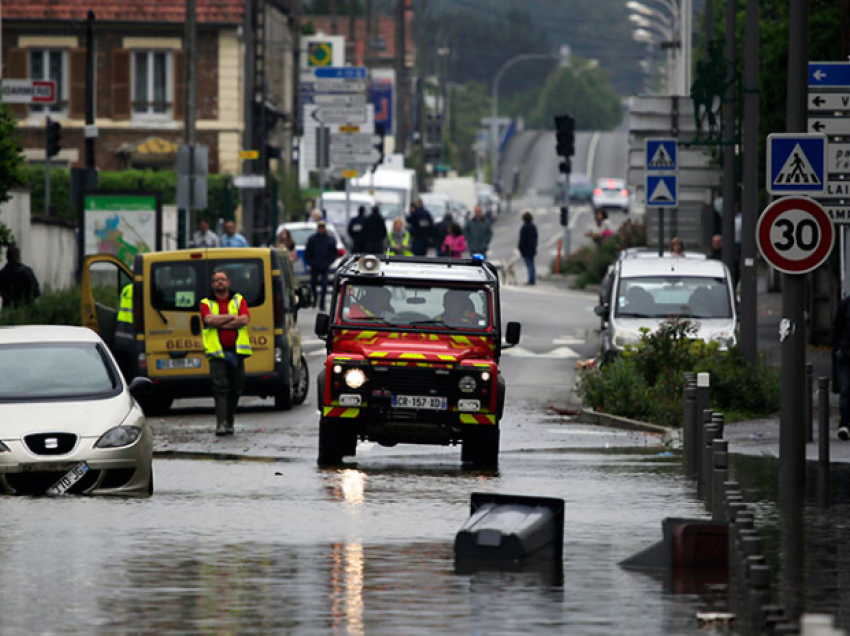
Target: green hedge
[52,308]
[590,263]
[646,382]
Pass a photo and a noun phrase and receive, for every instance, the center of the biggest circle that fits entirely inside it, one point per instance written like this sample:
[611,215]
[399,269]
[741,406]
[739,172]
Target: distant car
[438,204]
[68,420]
[490,205]
[581,188]
[301,231]
[611,194]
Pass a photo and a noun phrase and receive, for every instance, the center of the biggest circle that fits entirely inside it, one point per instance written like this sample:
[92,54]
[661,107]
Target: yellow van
[168,347]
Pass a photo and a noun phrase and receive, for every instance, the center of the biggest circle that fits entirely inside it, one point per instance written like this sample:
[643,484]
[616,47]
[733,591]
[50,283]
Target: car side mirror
[304,296]
[601,310]
[323,325]
[512,334]
[141,386]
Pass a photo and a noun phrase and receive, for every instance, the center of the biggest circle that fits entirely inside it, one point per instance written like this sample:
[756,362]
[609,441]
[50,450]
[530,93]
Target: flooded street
[282,547]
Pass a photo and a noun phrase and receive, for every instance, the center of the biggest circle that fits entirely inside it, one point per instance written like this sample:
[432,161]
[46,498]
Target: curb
[669,435]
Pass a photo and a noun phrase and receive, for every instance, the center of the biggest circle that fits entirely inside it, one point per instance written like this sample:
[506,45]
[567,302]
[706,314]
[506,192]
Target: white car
[69,423]
[611,194]
[301,231]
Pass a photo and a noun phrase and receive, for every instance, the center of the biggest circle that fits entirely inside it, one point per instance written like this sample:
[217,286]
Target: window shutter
[17,67]
[179,104]
[77,84]
[120,84]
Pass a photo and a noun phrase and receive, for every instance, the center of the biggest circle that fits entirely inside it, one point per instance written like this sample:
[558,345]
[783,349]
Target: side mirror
[304,297]
[323,325]
[141,386]
[512,334]
[601,310]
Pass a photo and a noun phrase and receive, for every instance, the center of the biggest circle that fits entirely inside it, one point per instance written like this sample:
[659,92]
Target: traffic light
[566,166]
[565,127]
[53,142]
[565,215]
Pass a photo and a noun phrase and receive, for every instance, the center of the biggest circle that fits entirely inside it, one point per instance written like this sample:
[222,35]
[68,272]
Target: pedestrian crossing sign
[661,155]
[662,191]
[796,163]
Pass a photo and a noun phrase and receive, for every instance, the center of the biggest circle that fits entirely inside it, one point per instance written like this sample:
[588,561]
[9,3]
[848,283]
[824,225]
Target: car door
[104,277]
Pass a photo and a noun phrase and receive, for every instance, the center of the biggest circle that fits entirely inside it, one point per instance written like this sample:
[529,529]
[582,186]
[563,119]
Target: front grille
[37,483]
[50,443]
[407,381]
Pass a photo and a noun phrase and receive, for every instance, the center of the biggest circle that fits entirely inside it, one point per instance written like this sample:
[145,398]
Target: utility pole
[248,131]
[186,222]
[400,78]
[729,132]
[91,131]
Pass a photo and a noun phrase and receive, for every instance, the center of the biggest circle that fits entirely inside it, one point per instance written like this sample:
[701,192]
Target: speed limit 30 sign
[795,235]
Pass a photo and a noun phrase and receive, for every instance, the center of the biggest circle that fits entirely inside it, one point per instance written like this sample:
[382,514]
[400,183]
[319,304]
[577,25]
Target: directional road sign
[340,72]
[662,191]
[249,181]
[829,126]
[339,99]
[340,86]
[838,157]
[354,157]
[795,235]
[838,210]
[829,101]
[796,163]
[829,74]
[341,115]
[661,155]
[27,91]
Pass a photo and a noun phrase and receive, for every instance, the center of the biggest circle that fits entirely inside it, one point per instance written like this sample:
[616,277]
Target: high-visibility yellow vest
[405,247]
[212,343]
[125,334]
[125,307]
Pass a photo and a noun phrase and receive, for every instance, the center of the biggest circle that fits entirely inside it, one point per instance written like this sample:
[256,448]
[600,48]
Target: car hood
[88,418]
[707,328]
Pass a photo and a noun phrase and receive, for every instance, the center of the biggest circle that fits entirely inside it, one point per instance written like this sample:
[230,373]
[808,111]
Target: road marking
[559,353]
[591,154]
[551,291]
[568,341]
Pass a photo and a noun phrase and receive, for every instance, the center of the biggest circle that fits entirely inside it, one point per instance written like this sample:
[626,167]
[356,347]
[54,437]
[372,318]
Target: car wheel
[480,447]
[301,385]
[156,405]
[335,441]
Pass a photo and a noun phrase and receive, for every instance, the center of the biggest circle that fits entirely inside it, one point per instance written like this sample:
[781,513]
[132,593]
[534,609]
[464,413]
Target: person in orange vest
[226,344]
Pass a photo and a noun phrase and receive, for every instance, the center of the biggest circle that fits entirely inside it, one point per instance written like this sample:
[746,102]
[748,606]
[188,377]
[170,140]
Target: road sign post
[662,180]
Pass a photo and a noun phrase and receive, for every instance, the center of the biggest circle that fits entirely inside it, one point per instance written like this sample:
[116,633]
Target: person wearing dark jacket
[357,231]
[440,232]
[319,254]
[528,244]
[421,228]
[18,284]
[376,232]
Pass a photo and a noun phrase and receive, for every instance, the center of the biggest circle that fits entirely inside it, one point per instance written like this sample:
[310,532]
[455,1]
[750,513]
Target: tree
[11,165]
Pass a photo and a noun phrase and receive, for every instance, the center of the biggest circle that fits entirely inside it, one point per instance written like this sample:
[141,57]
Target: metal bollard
[807,404]
[719,421]
[706,465]
[718,480]
[823,422]
[689,424]
[759,596]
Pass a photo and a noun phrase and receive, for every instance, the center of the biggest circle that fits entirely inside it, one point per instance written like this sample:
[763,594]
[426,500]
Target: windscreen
[180,286]
[432,306]
[44,371]
[661,297]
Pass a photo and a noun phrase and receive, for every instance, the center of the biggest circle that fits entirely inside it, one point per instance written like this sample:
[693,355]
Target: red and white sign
[795,235]
[14,91]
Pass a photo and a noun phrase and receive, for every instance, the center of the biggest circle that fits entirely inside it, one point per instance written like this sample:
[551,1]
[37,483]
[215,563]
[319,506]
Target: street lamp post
[680,24]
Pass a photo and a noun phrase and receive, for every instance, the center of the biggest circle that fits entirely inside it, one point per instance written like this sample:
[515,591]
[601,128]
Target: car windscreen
[49,371]
[181,285]
[662,297]
[434,306]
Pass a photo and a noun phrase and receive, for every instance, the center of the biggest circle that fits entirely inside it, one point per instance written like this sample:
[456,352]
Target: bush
[52,308]
[646,382]
[589,264]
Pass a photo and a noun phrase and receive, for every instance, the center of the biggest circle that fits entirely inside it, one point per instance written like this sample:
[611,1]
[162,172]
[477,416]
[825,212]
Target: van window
[660,297]
[181,286]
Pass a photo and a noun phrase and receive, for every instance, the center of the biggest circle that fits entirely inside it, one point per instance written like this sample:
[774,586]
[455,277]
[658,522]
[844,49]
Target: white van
[394,190]
[338,213]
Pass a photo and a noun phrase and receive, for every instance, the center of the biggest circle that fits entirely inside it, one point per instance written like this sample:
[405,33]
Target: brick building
[140,85]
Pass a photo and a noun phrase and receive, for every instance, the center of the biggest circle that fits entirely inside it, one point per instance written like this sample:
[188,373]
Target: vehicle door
[290,310]
[104,278]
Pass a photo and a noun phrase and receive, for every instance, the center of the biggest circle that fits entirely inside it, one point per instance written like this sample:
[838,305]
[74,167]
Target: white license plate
[420,402]
[179,363]
[69,479]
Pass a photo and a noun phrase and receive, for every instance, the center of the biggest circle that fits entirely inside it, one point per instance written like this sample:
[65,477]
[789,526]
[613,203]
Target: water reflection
[347,589]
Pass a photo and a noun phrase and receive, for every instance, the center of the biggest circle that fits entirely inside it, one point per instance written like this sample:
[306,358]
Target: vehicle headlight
[4,448]
[119,436]
[355,378]
[623,338]
[485,376]
[467,384]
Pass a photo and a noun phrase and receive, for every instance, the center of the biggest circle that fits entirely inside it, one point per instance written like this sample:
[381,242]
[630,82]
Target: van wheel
[480,447]
[335,440]
[156,405]
[301,386]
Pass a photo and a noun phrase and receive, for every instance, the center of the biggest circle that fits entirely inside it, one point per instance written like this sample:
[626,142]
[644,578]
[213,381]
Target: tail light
[597,192]
[624,192]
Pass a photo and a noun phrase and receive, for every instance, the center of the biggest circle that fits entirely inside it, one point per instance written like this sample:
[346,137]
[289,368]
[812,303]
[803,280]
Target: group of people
[205,237]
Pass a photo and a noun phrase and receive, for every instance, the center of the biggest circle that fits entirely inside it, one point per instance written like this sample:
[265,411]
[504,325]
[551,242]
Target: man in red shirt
[226,344]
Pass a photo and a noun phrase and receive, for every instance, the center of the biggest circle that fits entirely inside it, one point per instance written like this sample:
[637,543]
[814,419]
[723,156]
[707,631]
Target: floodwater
[285,548]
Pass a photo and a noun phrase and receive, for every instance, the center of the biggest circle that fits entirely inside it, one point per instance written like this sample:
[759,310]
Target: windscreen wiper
[161,315]
[430,321]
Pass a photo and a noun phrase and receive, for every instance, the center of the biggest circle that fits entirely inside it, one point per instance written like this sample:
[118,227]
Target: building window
[51,64]
[152,93]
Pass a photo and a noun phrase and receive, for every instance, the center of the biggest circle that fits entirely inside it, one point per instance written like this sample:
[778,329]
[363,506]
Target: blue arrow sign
[834,74]
[662,191]
[796,163]
[661,155]
[340,72]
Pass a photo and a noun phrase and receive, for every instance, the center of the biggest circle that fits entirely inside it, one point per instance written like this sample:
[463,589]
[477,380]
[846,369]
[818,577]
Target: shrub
[60,307]
[590,262]
[658,363]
